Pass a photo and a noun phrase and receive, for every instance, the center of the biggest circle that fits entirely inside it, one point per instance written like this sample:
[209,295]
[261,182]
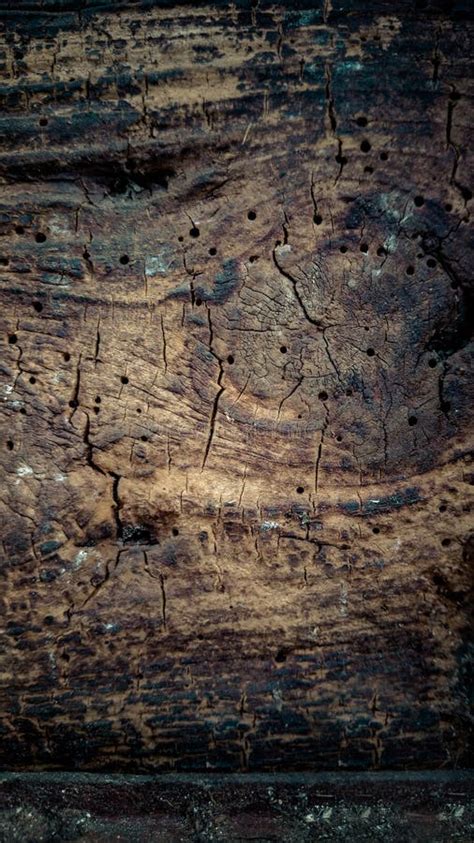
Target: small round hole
[431,263]
[369,170]
[432,363]
[213,251]
[300,490]
[37,306]
[43,121]
[283,349]
[66,356]
[419,201]
[412,421]
[230,359]
[144,438]
[370,352]
[364,247]
[448,207]
[180,238]
[361,121]
[97,399]
[13,339]
[381,251]
[442,507]
[348,392]
[251,215]
[32,379]
[198,302]
[73,403]
[253,258]
[19,229]
[343,249]
[40,237]
[323,396]
[410,270]
[376,530]
[384,156]
[446,542]
[124,259]
[124,379]
[175,531]
[138,410]
[23,411]
[10,445]
[317,219]
[339,438]
[365,146]
[97,410]
[194,231]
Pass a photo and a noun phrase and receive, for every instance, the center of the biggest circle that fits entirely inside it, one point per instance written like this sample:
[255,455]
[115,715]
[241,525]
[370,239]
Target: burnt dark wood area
[236,274]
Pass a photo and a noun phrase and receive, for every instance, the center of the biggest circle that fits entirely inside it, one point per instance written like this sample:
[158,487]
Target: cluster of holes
[40,237]
[364,247]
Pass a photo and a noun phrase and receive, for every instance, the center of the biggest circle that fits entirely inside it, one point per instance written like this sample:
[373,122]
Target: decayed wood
[235,266]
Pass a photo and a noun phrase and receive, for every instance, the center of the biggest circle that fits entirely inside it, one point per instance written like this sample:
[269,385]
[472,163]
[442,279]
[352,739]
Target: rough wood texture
[235,270]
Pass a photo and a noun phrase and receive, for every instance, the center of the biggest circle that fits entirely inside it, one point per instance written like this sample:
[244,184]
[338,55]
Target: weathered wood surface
[236,272]
[291,808]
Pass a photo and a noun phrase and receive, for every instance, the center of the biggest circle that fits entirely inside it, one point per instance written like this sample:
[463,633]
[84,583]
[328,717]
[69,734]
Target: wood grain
[236,274]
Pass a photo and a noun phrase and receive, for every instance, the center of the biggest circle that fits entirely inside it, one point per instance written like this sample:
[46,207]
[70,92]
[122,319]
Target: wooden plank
[236,275]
